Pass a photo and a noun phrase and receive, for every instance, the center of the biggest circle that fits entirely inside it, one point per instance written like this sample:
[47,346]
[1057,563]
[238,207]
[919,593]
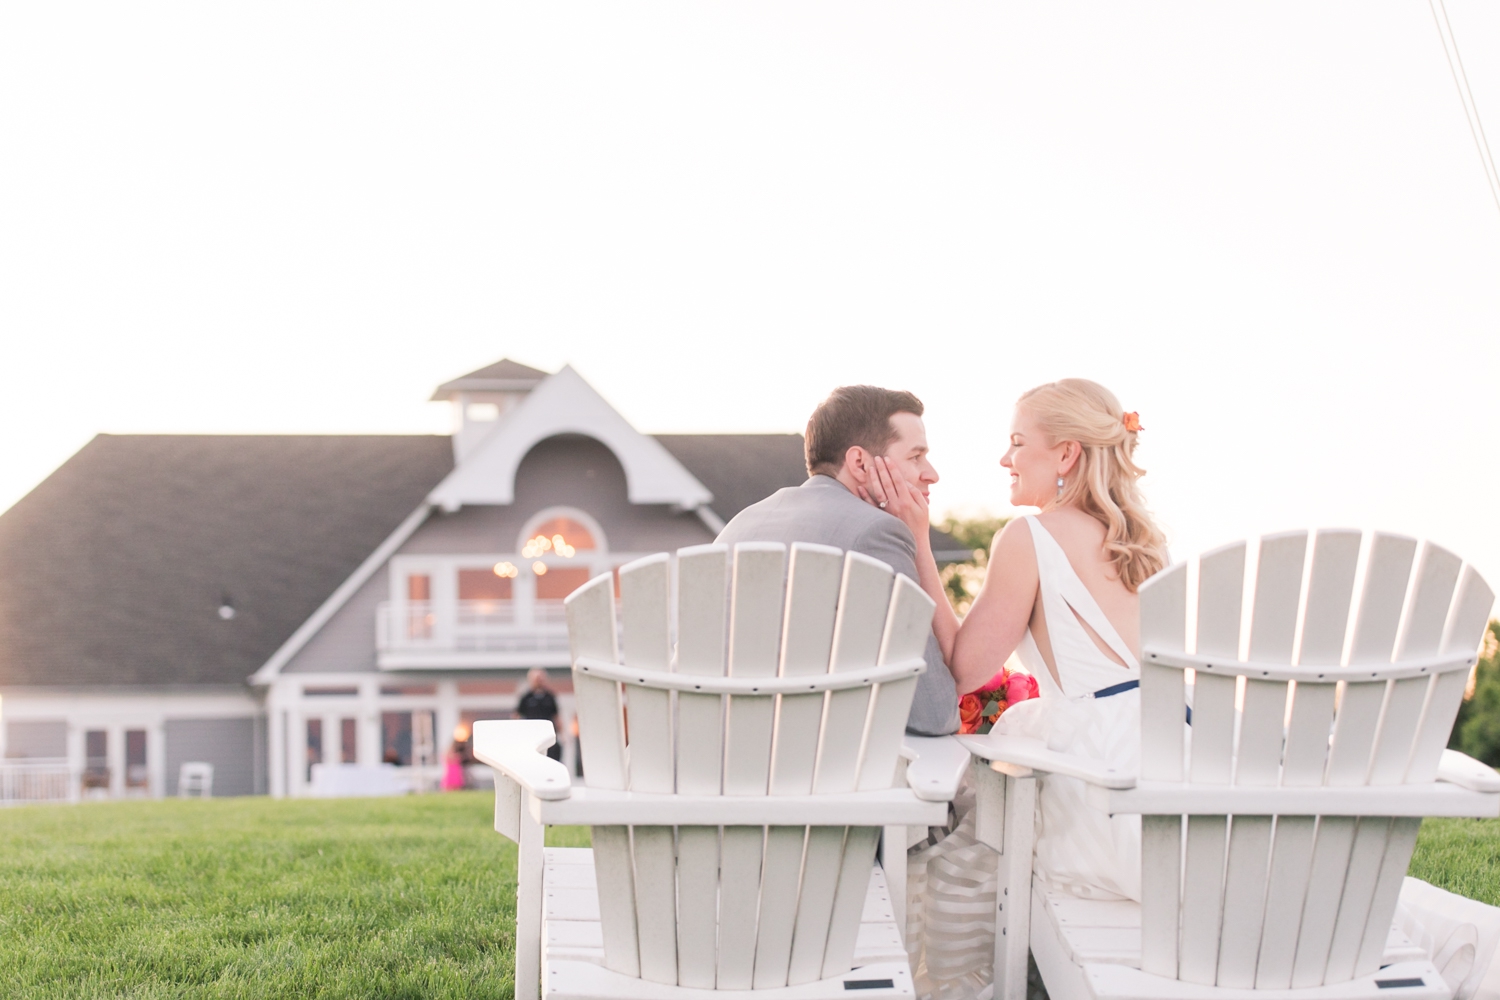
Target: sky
[1263,225]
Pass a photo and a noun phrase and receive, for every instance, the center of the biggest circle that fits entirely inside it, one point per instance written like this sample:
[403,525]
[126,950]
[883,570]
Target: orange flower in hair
[1132,422]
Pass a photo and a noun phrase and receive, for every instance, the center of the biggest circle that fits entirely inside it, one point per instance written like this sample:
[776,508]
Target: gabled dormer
[482,398]
[560,404]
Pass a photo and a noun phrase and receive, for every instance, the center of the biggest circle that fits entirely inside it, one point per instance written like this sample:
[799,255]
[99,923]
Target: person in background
[453,760]
[540,703]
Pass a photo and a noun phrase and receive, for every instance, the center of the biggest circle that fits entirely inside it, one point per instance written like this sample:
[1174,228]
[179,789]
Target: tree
[1476,732]
[963,580]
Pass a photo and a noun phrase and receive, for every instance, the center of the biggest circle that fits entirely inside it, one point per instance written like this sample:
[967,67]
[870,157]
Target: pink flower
[1020,687]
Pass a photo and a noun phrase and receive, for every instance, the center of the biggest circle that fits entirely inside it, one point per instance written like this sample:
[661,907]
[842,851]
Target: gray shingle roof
[113,569]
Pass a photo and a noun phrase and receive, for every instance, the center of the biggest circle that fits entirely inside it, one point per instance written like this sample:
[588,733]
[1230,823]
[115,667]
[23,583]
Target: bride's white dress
[951,883]
[1080,849]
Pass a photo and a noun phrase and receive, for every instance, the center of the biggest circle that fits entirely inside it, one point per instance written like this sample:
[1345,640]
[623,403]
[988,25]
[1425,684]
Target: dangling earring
[1060,485]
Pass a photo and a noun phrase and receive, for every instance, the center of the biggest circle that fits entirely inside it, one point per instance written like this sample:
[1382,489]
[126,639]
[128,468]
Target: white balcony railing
[471,626]
[39,779]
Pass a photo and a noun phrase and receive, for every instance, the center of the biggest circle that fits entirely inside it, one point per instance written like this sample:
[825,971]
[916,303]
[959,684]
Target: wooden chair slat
[1384,594]
[656,902]
[1202,899]
[1221,589]
[1399,844]
[864,597]
[1432,597]
[843,735]
[1307,735]
[811,604]
[1161,888]
[908,623]
[702,583]
[646,612]
[1398,730]
[649,712]
[591,632]
[849,898]
[798,720]
[1278,593]
[590,612]
[1245,878]
[739,899]
[616,886]
[1370,835]
[756,605]
[1163,693]
[812,597]
[1325,883]
[1286,892]
[1164,610]
[1354,732]
[697,904]
[700,744]
[1330,593]
[754,651]
[1163,711]
[886,728]
[1262,726]
[778,905]
[601,731]
[747,744]
[1437,723]
[1471,612]
[645,619]
[1213,729]
[820,878]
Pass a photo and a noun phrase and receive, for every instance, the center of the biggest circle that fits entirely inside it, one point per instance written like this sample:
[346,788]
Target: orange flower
[1132,422]
[969,707]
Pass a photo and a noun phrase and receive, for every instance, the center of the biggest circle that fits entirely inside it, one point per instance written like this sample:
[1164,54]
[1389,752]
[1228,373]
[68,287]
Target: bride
[1061,593]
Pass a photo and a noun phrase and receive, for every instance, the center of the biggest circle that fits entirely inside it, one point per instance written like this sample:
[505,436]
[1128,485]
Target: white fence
[38,779]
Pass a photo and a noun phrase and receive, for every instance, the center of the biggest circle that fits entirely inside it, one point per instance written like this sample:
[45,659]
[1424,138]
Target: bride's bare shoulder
[1013,542]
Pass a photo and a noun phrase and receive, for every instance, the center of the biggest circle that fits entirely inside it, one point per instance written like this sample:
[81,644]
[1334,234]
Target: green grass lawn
[405,897]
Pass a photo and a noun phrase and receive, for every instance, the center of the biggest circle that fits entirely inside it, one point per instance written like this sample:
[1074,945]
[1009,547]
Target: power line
[1466,96]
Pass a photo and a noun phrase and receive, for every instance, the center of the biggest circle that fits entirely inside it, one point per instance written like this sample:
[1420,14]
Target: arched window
[558,544]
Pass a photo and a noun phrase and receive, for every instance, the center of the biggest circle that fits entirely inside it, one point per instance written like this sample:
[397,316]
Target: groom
[847,430]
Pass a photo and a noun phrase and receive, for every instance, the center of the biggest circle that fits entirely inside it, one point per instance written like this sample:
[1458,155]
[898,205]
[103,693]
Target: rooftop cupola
[481,398]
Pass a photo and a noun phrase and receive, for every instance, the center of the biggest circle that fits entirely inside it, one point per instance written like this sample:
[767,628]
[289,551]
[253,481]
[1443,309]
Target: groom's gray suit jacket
[822,511]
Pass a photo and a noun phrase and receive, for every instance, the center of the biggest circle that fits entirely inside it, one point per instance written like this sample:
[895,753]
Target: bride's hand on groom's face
[889,490]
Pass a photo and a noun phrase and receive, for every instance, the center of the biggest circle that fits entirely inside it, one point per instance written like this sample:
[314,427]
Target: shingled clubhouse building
[264,603]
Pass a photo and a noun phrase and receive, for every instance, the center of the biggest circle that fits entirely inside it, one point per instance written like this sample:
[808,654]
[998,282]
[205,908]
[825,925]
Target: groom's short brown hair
[854,415]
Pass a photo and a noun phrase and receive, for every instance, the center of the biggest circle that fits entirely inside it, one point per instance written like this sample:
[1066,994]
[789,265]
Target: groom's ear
[857,464]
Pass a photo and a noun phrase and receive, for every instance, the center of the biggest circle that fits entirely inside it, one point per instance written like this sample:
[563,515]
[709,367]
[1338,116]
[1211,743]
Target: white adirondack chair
[738,779]
[1278,825]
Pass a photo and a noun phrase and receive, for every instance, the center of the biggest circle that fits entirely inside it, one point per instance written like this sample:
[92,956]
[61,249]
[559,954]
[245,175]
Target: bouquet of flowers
[978,710]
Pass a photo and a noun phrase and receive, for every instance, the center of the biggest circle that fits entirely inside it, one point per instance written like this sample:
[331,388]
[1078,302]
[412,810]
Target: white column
[447,717]
[369,721]
[76,761]
[296,752]
[275,746]
[156,759]
[115,750]
[332,738]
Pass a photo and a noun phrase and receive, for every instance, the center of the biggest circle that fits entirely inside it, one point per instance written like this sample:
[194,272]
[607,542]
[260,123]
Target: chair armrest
[1466,772]
[1023,751]
[935,766]
[518,749]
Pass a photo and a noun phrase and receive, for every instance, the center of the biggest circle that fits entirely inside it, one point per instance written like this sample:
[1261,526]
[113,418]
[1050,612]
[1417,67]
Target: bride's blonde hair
[1103,483]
